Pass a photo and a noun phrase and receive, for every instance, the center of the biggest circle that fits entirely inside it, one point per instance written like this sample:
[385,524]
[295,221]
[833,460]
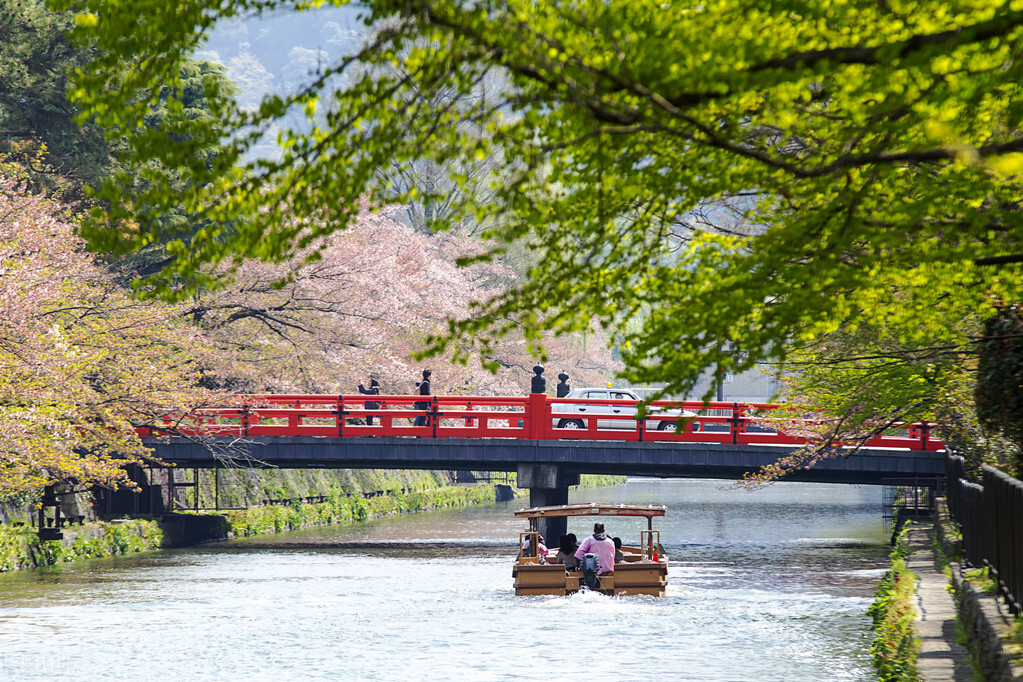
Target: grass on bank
[20,547]
[895,646]
[344,509]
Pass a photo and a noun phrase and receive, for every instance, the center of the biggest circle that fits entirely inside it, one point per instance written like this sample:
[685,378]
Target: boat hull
[643,578]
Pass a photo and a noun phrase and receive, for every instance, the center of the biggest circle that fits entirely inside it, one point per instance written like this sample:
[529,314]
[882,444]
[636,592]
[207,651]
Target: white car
[660,419]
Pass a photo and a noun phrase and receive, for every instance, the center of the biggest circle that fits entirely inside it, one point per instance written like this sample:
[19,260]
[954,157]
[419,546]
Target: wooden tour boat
[644,570]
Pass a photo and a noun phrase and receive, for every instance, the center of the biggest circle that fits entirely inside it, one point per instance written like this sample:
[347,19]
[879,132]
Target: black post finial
[539,384]
[563,387]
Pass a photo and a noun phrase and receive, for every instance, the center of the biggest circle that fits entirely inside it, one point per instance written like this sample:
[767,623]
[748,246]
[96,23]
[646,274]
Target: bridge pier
[548,486]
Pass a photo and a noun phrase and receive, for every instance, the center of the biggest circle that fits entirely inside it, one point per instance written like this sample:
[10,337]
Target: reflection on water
[766,585]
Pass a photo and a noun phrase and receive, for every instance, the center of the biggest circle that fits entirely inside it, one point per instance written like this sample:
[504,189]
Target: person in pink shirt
[528,551]
[602,546]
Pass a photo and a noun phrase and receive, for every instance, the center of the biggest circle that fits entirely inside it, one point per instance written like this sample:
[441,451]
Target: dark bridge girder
[548,485]
[660,459]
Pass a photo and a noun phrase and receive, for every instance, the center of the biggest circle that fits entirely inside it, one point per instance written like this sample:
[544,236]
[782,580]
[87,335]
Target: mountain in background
[278,51]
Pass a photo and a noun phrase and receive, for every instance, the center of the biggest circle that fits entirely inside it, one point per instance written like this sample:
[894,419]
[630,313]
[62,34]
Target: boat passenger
[619,555]
[528,551]
[566,552]
[602,546]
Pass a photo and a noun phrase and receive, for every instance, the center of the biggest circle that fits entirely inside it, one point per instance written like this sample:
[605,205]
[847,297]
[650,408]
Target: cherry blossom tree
[84,361]
[365,303]
[81,361]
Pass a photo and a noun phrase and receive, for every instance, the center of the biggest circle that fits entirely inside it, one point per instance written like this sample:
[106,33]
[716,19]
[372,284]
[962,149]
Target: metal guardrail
[905,498]
[991,519]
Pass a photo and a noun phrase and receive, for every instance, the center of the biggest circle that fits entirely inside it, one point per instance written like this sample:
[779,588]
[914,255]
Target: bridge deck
[658,459]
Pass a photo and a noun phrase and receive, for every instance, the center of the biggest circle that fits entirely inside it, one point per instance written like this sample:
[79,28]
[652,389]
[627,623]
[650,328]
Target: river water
[765,585]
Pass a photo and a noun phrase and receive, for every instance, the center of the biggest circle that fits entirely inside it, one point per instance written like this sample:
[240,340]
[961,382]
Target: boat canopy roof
[593,509]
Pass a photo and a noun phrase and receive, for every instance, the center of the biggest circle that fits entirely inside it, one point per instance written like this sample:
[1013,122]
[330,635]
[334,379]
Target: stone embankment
[21,548]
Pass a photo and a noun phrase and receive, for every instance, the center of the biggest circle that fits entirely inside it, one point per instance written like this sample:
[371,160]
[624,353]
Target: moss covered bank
[344,509]
[20,547]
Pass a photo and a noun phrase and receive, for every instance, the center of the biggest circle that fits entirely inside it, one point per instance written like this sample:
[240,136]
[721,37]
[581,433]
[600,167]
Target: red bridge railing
[536,417]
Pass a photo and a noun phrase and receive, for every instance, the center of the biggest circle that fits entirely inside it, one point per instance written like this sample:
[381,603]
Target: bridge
[548,442]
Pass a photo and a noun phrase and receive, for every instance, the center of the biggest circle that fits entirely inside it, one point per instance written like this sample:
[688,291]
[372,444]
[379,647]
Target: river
[763,585]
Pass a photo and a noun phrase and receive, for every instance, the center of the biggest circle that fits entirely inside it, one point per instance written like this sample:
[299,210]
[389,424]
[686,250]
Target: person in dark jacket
[424,389]
[566,552]
[374,389]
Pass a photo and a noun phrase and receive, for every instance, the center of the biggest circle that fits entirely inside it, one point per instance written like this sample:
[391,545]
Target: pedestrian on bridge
[374,389]
[424,389]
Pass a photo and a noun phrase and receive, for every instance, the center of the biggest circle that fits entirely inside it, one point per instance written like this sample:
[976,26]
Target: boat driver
[601,545]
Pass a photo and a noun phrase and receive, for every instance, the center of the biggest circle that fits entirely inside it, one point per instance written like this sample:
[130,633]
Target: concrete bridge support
[548,485]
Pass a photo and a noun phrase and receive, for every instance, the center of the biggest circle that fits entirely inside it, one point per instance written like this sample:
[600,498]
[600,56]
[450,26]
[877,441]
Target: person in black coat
[424,389]
[374,389]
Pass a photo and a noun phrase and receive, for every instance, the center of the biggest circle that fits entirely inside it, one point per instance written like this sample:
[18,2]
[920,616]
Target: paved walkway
[941,658]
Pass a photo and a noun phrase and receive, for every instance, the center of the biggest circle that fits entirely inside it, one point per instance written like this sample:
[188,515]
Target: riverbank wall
[341,510]
[337,509]
[950,624]
[21,548]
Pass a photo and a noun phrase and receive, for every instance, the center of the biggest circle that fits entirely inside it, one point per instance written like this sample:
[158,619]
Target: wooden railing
[535,416]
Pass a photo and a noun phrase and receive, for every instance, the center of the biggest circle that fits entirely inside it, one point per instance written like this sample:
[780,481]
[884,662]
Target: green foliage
[36,60]
[242,487]
[14,547]
[869,380]
[713,173]
[601,480]
[965,436]
[895,647]
[999,393]
[130,537]
[344,509]
[187,117]
[982,579]
[20,547]
[39,126]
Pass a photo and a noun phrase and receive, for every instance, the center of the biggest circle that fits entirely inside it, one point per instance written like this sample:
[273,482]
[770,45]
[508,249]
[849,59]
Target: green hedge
[340,509]
[895,647]
[21,548]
